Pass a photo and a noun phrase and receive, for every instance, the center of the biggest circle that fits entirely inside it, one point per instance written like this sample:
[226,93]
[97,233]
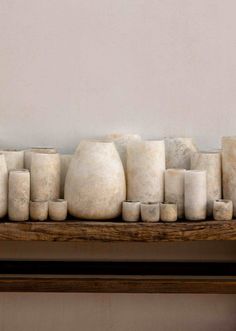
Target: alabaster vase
[3,186]
[95,182]
[28,154]
[174,188]
[14,159]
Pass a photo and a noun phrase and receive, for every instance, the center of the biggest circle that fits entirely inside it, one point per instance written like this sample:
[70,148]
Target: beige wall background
[71,69]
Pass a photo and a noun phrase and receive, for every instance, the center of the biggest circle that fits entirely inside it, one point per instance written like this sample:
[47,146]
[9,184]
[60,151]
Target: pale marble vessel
[145,171]
[28,154]
[168,212]
[211,162]
[131,211]
[178,152]
[223,210]
[95,182]
[14,159]
[174,188]
[45,176]
[229,170]
[65,162]
[19,195]
[57,209]
[39,210]
[150,212]
[3,186]
[195,197]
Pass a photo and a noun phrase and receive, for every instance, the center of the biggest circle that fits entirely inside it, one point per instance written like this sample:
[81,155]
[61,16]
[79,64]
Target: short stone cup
[131,211]
[150,211]
[222,210]
[57,209]
[38,210]
[168,212]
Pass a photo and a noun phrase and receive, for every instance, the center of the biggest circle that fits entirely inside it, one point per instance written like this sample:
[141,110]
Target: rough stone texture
[168,212]
[28,154]
[145,171]
[3,186]
[211,162]
[195,196]
[95,184]
[229,170]
[178,152]
[14,159]
[19,195]
[150,212]
[39,210]
[57,209]
[45,176]
[174,188]
[223,210]
[131,211]
[65,162]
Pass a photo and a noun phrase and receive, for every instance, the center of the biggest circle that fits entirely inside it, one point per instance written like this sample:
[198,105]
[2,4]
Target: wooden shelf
[117,231]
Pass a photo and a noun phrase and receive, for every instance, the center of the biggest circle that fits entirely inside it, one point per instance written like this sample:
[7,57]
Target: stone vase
[19,195]
[178,152]
[39,210]
[95,182]
[174,188]
[57,209]
[145,171]
[45,176]
[195,196]
[222,210]
[168,212]
[65,162]
[3,186]
[14,159]
[211,163]
[28,154]
[130,211]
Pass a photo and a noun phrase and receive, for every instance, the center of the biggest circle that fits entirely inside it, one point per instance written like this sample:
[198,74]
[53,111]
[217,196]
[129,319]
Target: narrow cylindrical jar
[3,186]
[168,212]
[65,162]
[14,159]
[150,212]
[131,211]
[229,170]
[145,171]
[39,210]
[57,209]
[45,176]
[211,163]
[195,195]
[28,154]
[19,195]
[174,188]
[223,210]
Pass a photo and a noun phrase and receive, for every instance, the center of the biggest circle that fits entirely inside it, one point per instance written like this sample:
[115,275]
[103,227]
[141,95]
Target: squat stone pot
[19,195]
[65,162]
[131,211]
[95,182]
[3,186]
[57,209]
[14,159]
[145,171]
[169,212]
[45,176]
[39,210]
[223,210]
[150,212]
[28,154]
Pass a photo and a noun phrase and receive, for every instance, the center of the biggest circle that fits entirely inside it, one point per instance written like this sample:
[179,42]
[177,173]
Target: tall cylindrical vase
[45,176]
[145,171]
[211,163]
[229,170]
[28,154]
[65,162]
[19,195]
[195,196]
[174,188]
[95,182]
[3,186]
[14,159]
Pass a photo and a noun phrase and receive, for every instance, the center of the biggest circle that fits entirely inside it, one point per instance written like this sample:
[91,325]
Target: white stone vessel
[222,210]
[145,171]
[45,176]
[174,188]
[195,197]
[14,159]
[229,170]
[211,162]
[121,141]
[130,211]
[28,154]
[3,186]
[57,209]
[178,152]
[95,182]
[19,195]
[150,212]
[65,162]
[39,210]
[168,212]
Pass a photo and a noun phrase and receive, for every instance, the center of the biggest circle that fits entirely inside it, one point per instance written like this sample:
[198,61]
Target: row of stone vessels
[104,173]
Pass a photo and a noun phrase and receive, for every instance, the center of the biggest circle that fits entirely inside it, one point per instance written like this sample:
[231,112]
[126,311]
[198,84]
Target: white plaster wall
[71,69]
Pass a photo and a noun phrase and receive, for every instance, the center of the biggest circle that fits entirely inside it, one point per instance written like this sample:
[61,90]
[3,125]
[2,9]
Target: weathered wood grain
[116,231]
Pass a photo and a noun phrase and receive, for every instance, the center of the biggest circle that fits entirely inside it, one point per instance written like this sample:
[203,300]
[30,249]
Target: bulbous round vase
[95,182]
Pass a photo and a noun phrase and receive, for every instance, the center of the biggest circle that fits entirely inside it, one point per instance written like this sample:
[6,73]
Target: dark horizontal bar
[118,268]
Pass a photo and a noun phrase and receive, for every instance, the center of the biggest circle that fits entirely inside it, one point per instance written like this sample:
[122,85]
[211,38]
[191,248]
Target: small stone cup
[222,210]
[38,210]
[57,209]
[169,212]
[131,211]
[150,211]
